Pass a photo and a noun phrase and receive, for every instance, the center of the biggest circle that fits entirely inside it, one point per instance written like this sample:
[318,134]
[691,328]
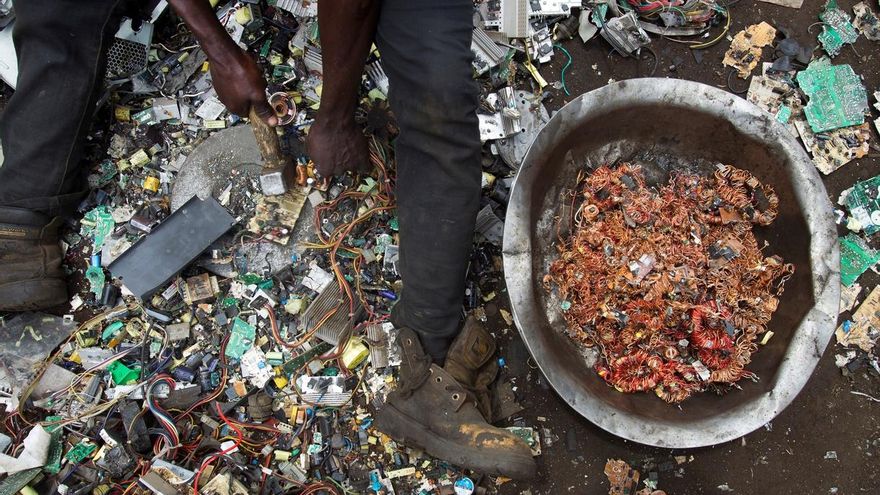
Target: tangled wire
[669,285]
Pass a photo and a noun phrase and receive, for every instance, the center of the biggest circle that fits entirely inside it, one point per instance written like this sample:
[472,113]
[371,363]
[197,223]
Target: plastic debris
[863,328]
[625,34]
[866,21]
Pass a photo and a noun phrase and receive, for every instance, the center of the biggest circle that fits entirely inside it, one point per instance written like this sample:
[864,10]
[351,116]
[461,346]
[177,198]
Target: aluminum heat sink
[328,300]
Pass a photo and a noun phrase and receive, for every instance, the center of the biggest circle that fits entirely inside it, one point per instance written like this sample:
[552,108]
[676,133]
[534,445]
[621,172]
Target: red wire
[217,455]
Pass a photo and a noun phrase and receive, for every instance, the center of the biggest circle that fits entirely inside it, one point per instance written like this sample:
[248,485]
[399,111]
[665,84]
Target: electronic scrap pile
[669,285]
[213,367]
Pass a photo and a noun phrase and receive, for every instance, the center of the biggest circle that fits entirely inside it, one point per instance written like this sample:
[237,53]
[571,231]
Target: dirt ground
[789,454]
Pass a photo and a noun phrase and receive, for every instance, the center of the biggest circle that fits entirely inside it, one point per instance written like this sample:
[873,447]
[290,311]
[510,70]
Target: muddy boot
[31,277]
[430,410]
[470,361]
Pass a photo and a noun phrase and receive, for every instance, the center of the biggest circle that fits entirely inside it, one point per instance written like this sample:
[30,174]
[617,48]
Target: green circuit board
[836,29]
[855,258]
[863,202]
[836,95]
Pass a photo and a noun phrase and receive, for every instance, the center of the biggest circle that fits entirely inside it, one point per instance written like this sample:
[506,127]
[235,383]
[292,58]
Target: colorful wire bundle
[172,438]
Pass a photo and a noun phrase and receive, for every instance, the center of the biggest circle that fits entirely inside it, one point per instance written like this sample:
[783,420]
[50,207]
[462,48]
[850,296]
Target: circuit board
[836,29]
[241,338]
[855,258]
[836,96]
[863,202]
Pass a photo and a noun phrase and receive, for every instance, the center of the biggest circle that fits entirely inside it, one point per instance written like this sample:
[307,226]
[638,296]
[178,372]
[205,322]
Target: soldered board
[863,202]
[836,29]
[855,258]
[836,96]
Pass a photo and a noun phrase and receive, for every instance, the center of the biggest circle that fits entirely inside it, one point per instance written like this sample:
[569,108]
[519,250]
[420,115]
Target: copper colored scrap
[624,479]
[670,285]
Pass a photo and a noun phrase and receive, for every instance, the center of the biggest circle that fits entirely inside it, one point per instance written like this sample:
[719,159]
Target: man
[425,47]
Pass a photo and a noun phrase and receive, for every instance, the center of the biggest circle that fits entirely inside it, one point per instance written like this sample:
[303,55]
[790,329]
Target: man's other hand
[338,148]
[240,85]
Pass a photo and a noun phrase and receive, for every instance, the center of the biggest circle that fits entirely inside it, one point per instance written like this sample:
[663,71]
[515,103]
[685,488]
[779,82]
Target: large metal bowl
[675,123]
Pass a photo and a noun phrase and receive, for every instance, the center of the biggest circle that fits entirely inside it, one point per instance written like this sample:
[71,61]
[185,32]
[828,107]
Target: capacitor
[183,374]
[205,380]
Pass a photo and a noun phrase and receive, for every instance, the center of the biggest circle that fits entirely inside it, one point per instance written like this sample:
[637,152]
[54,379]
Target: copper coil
[625,317]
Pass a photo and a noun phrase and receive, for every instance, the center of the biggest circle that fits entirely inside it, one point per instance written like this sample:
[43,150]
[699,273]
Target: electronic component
[863,202]
[836,29]
[836,96]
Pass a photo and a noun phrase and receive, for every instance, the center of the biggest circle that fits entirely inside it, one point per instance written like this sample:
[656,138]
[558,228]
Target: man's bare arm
[236,77]
[347,29]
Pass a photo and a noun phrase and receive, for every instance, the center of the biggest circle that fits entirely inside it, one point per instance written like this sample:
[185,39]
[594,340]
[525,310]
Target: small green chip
[97,224]
[122,374]
[241,339]
[80,451]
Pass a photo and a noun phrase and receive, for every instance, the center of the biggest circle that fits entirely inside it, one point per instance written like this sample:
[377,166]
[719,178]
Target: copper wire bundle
[670,285]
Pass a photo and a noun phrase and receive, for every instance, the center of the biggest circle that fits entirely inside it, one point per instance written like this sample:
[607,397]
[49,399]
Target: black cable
[730,87]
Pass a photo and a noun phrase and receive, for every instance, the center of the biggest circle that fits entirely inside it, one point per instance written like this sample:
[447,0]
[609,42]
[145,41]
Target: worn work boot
[430,410]
[31,277]
[470,362]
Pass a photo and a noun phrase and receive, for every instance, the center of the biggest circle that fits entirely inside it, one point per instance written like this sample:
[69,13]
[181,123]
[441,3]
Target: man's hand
[338,148]
[240,85]
[237,79]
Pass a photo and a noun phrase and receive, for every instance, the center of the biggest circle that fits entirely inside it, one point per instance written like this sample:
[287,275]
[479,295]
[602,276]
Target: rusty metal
[665,125]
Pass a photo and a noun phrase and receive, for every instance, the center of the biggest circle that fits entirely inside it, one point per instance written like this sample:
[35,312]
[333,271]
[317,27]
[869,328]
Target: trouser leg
[425,47]
[61,47]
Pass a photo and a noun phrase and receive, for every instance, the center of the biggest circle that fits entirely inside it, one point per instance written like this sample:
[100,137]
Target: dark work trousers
[425,47]
[61,46]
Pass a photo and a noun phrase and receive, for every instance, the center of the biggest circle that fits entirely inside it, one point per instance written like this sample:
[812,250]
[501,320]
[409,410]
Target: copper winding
[648,288]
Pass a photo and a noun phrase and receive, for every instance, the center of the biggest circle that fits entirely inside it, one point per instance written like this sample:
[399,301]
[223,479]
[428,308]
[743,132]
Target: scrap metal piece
[866,21]
[299,8]
[329,391]
[487,53]
[378,339]
[625,34]
[515,18]
[533,118]
[330,299]
[284,106]
[377,74]
[490,226]
[155,259]
[312,59]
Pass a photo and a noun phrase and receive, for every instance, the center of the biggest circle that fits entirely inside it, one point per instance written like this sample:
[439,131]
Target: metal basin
[672,123]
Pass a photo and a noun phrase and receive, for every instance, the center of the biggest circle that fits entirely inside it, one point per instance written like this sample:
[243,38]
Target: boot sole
[413,433]
[31,295]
